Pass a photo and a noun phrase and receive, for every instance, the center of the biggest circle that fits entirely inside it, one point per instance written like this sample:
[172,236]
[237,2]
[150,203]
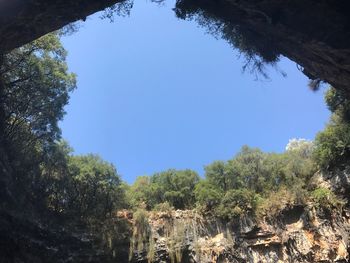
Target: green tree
[300,165]
[207,194]
[248,164]
[142,193]
[54,180]
[36,85]
[236,203]
[177,187]
[216,173]
[333,143]
[339,103]
[95,189]
[34,88]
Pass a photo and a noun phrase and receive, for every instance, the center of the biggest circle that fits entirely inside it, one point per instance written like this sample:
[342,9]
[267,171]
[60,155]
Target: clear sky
[155,92]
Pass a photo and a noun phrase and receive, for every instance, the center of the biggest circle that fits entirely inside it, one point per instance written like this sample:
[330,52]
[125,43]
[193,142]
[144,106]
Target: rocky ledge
[297,234]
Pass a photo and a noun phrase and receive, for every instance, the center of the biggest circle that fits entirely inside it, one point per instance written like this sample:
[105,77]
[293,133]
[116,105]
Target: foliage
[216,173]
[333,143]
[141,232]
[257,50]
[34,88]
[303,147]
[339,103]
[85,187]
[248,164]
[95,190]
[172,186]
[122,8]
[299,165]
[207,194]
[176,237]
[143,193]
[36,85]
[252,182]
[325,198]
[163,207]
[236,203]
[177,187]
[278,200]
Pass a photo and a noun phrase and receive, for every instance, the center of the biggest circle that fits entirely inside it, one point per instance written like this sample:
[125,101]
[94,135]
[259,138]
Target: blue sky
[155,92]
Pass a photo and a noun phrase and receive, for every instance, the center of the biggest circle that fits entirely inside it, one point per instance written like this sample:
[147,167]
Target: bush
[235,203]
[333,145]
[275,202]
[325,198]
[207,194]
[141,231]
[163,207]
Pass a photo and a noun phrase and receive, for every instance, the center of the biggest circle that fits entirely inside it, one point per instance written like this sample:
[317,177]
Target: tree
[177,187]
[207,194]
[333,144]
[173,186]
[36,85]
[216,173]
[339,103]
[299,164]
[34,88]
[248,164]
[236,203]
[54,181]
[144,193]
[302,146]
[95,190]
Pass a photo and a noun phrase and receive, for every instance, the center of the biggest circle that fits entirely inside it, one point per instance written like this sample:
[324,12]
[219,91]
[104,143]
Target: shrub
[163,207]
[237,202]
[276,201]
[333,144]
[207,194]
[141,232]
[325,198]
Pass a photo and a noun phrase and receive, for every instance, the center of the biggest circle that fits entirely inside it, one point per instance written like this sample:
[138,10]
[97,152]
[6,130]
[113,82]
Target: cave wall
[22,21]
[315,34]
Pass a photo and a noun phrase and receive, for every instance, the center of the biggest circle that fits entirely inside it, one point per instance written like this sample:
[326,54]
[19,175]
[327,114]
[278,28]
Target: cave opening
[168,89]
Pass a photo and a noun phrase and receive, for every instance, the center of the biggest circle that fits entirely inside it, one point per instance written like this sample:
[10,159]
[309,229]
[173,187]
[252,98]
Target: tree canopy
[36,86]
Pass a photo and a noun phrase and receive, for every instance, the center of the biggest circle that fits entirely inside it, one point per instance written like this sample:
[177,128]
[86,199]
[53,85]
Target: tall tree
[34,88]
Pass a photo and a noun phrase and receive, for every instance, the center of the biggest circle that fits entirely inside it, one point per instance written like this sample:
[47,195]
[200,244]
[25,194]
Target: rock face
[314,34]
[29,241]
[22,21]
[299,234]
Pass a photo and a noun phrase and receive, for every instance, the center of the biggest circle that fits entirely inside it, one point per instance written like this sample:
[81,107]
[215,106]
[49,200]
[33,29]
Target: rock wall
[299,234]
[314,34]
[22,21]
[25,240]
